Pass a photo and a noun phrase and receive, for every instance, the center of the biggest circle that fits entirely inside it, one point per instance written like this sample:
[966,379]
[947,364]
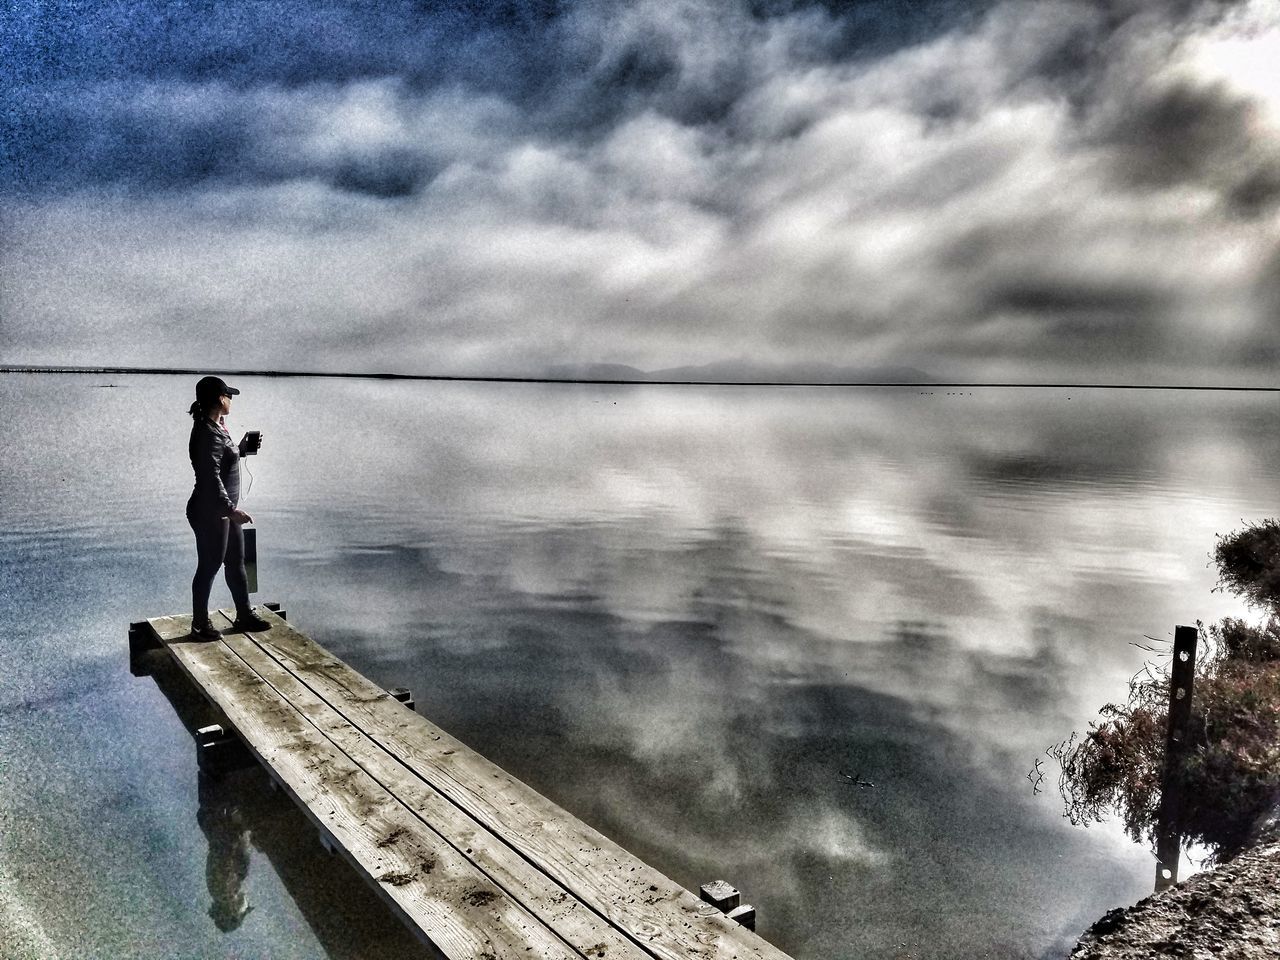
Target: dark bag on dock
[251,557]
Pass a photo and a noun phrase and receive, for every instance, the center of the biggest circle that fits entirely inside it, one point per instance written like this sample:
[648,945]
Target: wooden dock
[476,862]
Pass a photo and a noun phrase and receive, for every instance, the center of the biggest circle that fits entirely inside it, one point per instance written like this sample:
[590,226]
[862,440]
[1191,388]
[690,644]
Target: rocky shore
[1230,913]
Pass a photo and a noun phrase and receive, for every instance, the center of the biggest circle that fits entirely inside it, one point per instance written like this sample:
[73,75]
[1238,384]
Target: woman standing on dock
[212,510]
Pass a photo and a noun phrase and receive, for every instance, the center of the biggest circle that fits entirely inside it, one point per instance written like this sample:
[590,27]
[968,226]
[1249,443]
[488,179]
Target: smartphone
[254,441]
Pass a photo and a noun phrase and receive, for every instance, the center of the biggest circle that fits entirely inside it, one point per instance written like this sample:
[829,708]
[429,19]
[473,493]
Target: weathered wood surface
[535,891]
[434,887]
[554,873]
[656,912]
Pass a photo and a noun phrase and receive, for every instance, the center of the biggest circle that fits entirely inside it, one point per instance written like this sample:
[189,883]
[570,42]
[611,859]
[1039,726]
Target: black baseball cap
[210,388]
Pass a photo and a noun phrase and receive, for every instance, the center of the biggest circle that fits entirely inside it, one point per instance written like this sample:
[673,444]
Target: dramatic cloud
[1022,189]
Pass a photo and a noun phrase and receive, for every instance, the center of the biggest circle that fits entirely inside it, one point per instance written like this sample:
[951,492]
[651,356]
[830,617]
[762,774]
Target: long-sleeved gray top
[216,462]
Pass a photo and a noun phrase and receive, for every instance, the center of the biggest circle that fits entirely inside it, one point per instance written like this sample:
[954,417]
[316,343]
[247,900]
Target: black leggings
[219,542]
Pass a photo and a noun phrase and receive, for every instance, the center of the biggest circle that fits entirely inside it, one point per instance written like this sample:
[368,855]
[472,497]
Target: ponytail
[196,411]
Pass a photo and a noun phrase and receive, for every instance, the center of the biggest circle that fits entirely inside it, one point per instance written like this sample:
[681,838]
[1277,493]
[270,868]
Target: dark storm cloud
[278,41]
[87,91]
[1161,128]
[1257,193]
[994,188]
[158,137]
[1084,317]
[1180,134]
[1068,298]
[571,67]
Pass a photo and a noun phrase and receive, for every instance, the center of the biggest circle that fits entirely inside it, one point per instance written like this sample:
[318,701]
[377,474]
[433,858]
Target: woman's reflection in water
[228,862]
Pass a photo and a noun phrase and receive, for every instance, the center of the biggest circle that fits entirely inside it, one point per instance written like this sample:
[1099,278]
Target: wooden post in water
[1181,682]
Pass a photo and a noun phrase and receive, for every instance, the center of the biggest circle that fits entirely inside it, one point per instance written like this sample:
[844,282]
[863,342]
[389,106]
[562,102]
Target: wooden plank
[525,884]
[655,911]
[434,888]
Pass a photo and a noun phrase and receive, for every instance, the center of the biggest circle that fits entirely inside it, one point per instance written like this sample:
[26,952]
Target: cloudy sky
[1005,190]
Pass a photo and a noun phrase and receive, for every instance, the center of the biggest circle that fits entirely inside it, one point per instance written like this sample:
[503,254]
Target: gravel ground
[1229,913]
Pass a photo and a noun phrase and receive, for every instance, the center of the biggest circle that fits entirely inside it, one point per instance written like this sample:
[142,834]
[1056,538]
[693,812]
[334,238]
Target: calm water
[682,613]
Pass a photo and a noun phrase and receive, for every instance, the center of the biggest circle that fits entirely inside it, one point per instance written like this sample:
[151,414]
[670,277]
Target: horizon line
[476,378]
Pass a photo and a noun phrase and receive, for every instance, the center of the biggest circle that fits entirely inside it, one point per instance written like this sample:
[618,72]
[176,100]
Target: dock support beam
[404,695]
[1181,686]
[726,898]
[219,752]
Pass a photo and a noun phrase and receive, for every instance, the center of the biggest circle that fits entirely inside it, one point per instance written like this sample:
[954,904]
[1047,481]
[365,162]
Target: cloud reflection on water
[676,738]
[684,613]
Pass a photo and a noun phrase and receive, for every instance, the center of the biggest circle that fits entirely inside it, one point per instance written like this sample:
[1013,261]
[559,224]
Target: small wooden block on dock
[474,860]
[721,895]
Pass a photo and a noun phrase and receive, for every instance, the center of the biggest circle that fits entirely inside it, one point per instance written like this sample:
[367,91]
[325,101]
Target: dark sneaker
[249,622]
[205,631]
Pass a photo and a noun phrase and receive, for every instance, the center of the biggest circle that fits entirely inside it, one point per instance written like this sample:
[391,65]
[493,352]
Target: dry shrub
[1230,772]
[1248,564]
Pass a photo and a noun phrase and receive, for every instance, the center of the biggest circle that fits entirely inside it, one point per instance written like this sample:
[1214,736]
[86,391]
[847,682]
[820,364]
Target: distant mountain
[742,371]
[594,371]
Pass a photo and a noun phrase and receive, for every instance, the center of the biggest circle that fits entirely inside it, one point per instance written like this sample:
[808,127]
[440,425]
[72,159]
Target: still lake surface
[683,613]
